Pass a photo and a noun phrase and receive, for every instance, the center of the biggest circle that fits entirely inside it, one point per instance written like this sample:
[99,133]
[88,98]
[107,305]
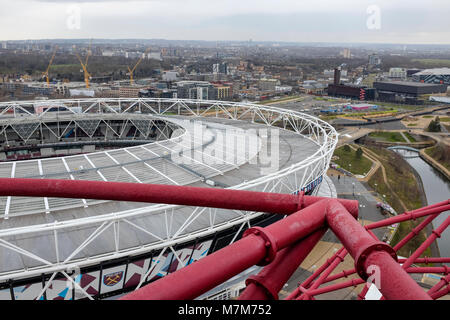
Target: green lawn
[405,186]
[440,153]
[349,162]
[387,136]
[410,137]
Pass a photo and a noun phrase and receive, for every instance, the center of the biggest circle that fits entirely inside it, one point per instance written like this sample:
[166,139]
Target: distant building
[32,90]
[283,88]
[198,90]
[129,92]
[108,53]
[4,45]
[438,75]
[268,84]
[346,53]
[374,60]
[170,76]
[357,92]
[330,73]
[220,68]
[406,91]
[222,92]
[397,73]
[312,87]
[155,56]
[411,72]
[216,68]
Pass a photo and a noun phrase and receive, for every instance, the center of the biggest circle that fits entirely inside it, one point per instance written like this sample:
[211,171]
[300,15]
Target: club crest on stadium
[112,279]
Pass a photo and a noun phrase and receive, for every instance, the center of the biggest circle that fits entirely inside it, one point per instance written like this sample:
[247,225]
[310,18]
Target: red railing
[280,247]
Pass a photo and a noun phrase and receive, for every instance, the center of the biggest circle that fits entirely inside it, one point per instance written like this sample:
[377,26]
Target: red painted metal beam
[167,194]
[415,231]
[307,294]
[434,235]
[258,246]
[395,283]
[438,286]
[346,273]
[303,286]
[412,215]
[335,287]
[269,281]
[444,269]
[203,275]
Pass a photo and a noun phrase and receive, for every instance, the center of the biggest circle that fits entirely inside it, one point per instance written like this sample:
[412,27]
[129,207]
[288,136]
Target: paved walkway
[405,137]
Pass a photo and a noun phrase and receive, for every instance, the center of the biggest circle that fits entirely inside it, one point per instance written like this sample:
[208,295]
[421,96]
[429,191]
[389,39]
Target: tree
[359,153]
[434,126]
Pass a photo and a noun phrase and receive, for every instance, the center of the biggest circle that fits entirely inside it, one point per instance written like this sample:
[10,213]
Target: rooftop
[436,71]
[408,83]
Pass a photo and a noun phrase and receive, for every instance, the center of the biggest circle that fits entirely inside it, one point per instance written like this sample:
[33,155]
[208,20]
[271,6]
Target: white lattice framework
[289,179]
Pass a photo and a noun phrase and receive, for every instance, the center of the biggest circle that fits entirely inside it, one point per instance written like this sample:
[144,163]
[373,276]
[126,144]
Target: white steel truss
[175,223]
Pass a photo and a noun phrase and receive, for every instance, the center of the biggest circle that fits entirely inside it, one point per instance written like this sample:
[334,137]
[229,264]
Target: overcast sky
[380,21]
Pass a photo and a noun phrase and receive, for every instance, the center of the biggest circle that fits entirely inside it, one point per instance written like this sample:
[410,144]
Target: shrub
[359,153]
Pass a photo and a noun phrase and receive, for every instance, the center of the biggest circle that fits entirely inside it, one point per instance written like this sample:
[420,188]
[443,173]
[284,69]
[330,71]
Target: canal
[437,189]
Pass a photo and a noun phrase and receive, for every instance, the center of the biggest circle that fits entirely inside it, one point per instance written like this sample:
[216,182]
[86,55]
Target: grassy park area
[403,188]
[440,153]
[387,136]
[348,159]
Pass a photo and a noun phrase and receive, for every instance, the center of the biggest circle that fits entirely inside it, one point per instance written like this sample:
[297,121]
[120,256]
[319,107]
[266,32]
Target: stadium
[104,248]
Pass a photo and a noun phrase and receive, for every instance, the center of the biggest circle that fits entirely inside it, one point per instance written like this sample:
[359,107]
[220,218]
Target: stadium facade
[53,248]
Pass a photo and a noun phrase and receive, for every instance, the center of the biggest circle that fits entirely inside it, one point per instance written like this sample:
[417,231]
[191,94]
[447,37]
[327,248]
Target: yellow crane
[87,75]
[131,71]
[45,74]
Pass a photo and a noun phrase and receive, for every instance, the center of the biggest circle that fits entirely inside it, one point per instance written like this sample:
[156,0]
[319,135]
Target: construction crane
[45,74]
[87,75]
[131,71]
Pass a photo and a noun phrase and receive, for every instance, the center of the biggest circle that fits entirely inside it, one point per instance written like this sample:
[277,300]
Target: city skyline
[368,21]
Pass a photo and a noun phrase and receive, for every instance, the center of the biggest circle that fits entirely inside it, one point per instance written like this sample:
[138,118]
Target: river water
[437,189]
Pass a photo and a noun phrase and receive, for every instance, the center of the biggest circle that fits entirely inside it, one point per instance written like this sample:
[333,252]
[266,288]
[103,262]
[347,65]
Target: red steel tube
[294,294]
[298,225]
[337,286]
[342,274]
[324,275]
[167,194]
[410,215]
[415,231]
[443,269]
[346,273]
[362,294]
[428,260]
[396,284]
[436,233]
[439,294]
[270,280]
[444,281]
[257,245]
[203,275]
